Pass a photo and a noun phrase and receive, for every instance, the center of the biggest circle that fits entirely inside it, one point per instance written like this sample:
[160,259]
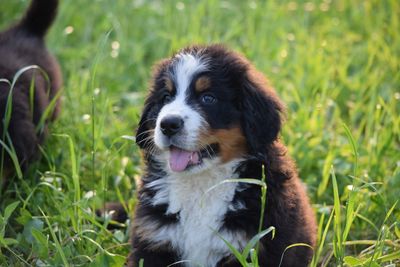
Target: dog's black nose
[171,125]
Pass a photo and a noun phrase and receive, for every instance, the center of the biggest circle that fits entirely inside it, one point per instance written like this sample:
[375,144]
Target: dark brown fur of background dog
[23,45]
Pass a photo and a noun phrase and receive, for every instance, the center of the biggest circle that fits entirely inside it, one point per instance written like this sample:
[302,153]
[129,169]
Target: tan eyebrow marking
[202,84]
[169,84]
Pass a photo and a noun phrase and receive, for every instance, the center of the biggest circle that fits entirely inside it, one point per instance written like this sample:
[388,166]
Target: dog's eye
[208,99]
[166,98]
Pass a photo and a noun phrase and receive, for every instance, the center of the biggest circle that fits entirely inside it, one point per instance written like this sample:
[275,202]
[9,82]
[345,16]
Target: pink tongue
[179,159]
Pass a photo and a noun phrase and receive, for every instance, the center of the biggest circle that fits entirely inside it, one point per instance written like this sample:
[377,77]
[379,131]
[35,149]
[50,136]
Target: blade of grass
[255,240]
[293,246]
[56,241]
[382,236]
[234,251]
[338,247]
[32,95]
[14,159]
[47,113]
[262,211]
[75,178]
[316,257]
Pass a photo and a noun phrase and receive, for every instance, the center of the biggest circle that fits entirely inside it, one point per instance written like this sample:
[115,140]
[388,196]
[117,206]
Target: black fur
[23,45]
[259,108]
[39,17]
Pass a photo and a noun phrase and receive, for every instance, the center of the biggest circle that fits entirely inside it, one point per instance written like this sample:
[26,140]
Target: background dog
[210,116]
[23,106]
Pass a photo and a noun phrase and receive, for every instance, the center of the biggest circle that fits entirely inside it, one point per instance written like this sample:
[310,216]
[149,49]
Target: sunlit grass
[333,63]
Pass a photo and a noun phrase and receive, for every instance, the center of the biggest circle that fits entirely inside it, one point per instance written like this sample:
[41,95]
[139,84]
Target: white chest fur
[201,213]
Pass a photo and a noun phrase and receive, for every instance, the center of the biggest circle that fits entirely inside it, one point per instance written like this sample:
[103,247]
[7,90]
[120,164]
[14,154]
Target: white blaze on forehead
[185,67]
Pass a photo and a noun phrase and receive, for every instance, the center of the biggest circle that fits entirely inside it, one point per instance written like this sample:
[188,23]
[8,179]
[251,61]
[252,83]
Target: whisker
[145,132]
[147,139]
[206,148]
[149,119]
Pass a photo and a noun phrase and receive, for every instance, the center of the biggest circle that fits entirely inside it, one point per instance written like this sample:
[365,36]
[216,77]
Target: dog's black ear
[261,113]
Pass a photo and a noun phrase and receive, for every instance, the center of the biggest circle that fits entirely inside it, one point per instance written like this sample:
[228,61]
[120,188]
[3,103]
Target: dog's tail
[39,16]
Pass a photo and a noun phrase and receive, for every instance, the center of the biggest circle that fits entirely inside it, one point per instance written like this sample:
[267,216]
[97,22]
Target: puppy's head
[207,105]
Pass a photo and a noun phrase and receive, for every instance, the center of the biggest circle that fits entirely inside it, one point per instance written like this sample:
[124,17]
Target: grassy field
[334,63]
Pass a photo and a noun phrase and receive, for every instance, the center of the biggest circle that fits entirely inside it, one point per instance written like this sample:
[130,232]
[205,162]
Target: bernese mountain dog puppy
[211,116]
[23,105]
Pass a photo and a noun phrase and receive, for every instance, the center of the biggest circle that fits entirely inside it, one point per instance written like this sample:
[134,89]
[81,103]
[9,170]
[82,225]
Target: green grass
[334,63]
